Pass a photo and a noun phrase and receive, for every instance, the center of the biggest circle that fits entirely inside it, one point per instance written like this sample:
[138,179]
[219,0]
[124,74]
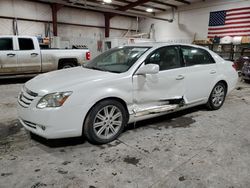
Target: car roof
[161,44]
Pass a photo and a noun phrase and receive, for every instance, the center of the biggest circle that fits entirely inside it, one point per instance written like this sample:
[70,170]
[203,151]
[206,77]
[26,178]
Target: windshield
[117,60]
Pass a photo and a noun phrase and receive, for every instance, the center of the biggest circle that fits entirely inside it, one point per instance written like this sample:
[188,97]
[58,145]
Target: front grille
[26,97]
[30,124]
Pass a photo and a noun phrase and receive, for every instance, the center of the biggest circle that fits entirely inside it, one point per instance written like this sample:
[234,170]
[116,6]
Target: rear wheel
[67,65]
[217,96]
[105,122]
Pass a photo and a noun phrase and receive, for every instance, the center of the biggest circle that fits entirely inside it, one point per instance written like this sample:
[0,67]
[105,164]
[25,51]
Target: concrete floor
[193,148]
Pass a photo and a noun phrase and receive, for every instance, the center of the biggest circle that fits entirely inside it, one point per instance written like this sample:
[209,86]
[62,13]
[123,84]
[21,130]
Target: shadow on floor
[14,80]
[174,120]
[62,142]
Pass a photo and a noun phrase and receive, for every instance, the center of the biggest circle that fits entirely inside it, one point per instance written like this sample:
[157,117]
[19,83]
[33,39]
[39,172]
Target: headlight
[53,99]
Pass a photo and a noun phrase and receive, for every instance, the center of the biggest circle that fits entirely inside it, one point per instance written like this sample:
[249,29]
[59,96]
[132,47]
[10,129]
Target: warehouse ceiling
[129,7]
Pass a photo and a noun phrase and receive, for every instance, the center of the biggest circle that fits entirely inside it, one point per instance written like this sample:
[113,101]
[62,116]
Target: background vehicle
[243,64]
[245,56]
[245,73]
[124,85]
[22,55]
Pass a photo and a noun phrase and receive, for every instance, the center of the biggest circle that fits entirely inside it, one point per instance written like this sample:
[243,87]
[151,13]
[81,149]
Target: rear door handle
[11,55]
[212,71]
[34,54]
[179,77]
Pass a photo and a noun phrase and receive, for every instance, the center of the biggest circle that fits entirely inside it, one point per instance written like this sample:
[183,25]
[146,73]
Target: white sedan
[124,85]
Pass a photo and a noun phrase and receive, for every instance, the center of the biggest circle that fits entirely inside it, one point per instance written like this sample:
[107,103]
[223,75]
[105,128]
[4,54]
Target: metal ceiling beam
[107,10]
[184,1]
[109,13]
[132,5]
[142,5]
[163,3]
[98,3]
[153,7]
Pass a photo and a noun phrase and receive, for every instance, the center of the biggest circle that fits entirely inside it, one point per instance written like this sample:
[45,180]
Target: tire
[247,81]
[66,65]
[105,122]
[217,96]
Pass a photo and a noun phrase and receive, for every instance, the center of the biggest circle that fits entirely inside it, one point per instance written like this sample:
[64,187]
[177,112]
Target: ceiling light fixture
[107,1]
[149,10]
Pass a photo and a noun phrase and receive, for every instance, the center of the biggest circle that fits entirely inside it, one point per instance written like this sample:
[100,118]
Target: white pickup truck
[21,55]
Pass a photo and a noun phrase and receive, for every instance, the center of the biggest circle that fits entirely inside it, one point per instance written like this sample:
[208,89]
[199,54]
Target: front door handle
[179,77]
[34,54]
[11,55]
[212,71]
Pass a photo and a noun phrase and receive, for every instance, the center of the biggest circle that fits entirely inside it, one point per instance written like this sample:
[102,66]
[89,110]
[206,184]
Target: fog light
[42,127]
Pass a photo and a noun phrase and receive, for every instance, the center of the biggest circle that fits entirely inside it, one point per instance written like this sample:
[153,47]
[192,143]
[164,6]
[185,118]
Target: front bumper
[51,123]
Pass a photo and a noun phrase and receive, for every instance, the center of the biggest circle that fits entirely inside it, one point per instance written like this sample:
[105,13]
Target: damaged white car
[121,86]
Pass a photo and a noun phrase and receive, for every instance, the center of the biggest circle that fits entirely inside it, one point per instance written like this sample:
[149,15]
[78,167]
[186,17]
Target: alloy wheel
[107,122]
[218,95]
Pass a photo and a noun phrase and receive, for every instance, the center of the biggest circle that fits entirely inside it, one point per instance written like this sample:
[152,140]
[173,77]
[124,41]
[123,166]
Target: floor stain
[9,128]
[239,88]
[180,122]
[38,184]
[113,144]
[66,162]
[131,160]
[6,174]
[156,149]
[8,105]
[182,178]
[62,171]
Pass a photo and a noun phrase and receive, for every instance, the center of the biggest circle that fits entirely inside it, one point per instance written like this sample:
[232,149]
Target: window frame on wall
[12,43]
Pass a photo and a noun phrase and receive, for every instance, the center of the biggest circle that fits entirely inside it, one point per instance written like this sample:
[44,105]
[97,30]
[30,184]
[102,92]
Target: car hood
[65,79]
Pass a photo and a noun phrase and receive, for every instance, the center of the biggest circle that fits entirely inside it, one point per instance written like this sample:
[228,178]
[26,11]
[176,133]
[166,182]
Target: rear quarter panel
[226,72]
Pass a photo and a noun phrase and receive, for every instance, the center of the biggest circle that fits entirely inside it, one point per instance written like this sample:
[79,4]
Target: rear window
[25,44]
[6,44]
[196,56]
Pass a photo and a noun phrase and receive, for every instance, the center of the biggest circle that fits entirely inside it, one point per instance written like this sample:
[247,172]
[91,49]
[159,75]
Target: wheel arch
[124,104]
[61,61]
[225,83]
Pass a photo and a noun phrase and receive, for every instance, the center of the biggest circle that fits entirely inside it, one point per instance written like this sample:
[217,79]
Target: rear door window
[25,44]
[6,44]
[196,56]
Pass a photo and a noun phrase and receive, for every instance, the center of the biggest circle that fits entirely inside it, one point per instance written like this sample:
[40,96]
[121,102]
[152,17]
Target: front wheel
[105,122]
[217,96]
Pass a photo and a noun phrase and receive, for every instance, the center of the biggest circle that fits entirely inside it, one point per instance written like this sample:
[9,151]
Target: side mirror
[148,69]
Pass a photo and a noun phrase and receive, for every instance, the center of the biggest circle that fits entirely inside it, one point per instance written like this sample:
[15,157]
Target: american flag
[232,22]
